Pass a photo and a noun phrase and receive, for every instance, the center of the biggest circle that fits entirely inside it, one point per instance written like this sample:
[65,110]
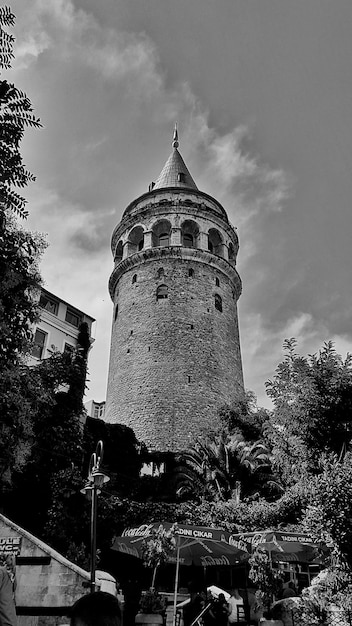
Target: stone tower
[175,353]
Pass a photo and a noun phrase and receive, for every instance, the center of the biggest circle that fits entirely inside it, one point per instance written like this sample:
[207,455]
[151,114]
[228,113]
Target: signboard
[10,545]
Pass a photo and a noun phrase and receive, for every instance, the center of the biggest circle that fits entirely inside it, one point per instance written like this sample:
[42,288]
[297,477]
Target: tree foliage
[16,114]
[312,410]
[224,466]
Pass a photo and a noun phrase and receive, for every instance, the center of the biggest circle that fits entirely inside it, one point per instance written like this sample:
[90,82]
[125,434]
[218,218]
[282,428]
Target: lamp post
[92,488]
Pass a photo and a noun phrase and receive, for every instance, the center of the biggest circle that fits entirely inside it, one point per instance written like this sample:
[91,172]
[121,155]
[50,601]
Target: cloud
[107,109]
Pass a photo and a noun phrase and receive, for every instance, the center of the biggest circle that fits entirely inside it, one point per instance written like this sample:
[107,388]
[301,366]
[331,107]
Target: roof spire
[175,172]
[175,143]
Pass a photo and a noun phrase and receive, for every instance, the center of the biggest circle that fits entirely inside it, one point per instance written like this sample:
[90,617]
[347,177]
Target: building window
[218,302]
[99,410]
[188,240]
[162,292]
[49,304]
[231,252]
[161,234]
[72,318]
[217,282]
[134,278]
[181,177]
[191,272]
[116,312]
[135,242]
[160,272]
[215,244]
[164,240]
[68,347]
[39,344]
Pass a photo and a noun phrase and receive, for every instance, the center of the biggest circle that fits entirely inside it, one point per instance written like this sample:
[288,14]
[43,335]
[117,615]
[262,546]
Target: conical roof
[175,172]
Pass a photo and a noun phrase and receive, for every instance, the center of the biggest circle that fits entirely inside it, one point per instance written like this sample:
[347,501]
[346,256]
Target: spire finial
[175,143]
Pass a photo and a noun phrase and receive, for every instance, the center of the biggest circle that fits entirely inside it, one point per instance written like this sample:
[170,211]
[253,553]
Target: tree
[264,577]
[312,410]
[223,467]
[16,114]
[19,255]
[329,513]
[20,252]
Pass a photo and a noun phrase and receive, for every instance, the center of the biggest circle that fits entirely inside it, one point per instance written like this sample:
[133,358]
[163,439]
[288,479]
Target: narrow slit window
[218,302]
[217,282]
[191,272]
[134,278]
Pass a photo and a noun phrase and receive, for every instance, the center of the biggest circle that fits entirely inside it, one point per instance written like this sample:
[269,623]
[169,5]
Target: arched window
[164,239]
[118,252]
[217,282]
[161,234]
[134,278]
[135,240]
[231,251]
[189,234]
[188,240]
[215,244]
[160,272]
[191,272]
[218,302]
[162,292]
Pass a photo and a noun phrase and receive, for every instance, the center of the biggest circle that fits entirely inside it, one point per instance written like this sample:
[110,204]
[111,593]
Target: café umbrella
[281,546]
[195,545]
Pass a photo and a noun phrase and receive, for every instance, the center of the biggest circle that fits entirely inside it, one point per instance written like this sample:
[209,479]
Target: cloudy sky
[262,92]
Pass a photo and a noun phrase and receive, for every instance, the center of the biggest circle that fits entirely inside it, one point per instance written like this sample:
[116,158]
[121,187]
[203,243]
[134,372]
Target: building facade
[57,328]
[175,354]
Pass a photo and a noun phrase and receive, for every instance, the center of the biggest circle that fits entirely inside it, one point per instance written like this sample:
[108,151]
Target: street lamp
[92,488]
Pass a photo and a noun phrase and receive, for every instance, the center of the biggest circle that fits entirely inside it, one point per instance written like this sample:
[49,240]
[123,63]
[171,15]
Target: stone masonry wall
[174,362]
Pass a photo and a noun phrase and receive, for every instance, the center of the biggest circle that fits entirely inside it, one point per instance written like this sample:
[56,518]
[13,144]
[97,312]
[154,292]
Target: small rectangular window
[69,347]
[72,318]
[49,304]
[39,344]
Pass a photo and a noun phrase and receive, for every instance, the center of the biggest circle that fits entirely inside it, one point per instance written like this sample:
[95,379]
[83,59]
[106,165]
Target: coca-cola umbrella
[195,545]
[281,545]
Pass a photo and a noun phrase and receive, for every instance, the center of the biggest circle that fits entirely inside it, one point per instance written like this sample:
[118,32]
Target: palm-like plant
[221,467]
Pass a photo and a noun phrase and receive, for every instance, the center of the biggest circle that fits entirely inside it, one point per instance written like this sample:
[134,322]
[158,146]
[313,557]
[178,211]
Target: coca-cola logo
[127,549]
[141,531]
[207,561]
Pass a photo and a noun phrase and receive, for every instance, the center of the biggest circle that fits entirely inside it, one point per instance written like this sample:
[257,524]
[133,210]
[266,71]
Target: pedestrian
[7,601]
[234,601]
[193,609]
[220,610]
[96,609]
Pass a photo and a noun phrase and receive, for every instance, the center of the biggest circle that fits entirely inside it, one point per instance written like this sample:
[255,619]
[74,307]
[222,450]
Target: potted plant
[156,549]
[268,583]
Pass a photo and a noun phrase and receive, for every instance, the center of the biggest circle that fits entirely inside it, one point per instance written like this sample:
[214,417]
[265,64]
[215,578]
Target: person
[220,610]
[235,600]
[7,602]
[96,609]
[194,607]
[290,591]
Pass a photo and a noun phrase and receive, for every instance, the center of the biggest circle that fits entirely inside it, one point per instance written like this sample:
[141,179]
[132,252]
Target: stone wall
[175,361]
